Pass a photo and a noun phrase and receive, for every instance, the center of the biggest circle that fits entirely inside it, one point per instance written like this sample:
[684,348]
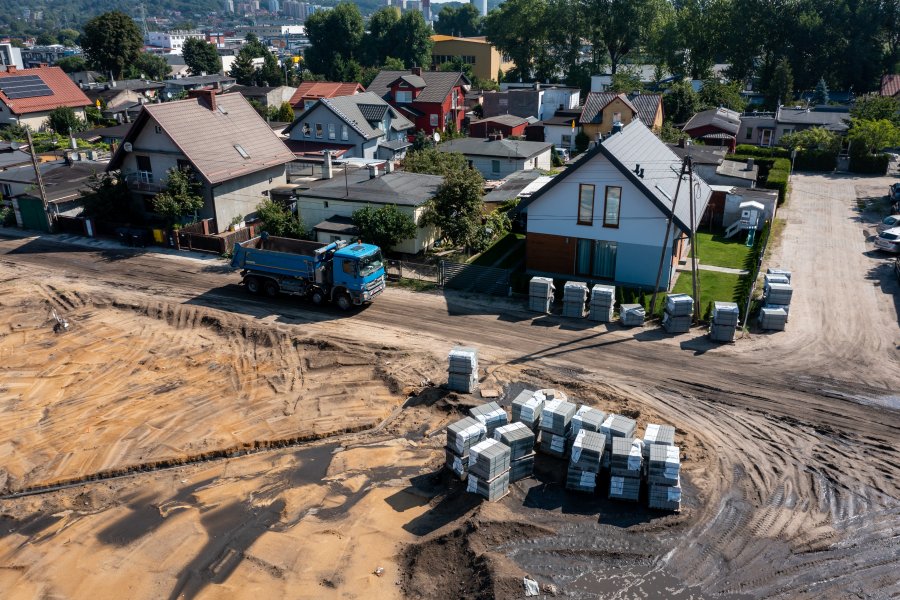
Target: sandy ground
[789,440]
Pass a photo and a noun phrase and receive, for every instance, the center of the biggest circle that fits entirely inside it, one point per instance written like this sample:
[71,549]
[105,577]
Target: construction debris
[540,294]
[463,370]
[575,295]
[602,303]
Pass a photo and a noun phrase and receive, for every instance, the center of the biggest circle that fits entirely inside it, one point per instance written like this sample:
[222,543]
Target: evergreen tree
[242,69]
[781,85]
[820,96]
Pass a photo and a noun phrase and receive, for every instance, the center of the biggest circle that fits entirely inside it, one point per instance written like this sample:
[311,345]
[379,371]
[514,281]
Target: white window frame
[331,132]
[345,133]
[403,96]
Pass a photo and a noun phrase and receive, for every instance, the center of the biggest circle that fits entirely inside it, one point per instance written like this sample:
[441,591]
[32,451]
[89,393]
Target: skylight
[241,151]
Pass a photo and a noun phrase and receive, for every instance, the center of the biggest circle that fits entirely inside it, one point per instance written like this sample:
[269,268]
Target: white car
[889,240]
[562,153]
[889,223]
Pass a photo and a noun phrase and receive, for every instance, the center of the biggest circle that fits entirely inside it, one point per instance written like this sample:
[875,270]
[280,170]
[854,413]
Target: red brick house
[505,125]
[433,100]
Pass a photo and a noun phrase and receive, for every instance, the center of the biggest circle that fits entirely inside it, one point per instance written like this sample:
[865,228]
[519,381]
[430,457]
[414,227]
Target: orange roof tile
[65,92]
[324,89]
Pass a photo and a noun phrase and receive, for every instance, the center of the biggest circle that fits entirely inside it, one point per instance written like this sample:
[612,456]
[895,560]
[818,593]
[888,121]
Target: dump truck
[347,274]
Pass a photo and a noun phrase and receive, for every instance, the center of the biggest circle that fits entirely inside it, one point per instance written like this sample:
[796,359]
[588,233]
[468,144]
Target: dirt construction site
[185,440]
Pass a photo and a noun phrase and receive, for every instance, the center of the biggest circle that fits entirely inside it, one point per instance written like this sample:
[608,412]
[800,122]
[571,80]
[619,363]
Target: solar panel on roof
[24,86]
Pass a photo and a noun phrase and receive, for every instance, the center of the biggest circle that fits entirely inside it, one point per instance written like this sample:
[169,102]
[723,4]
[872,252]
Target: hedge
[758,152]
[754,260]
[873,164]
[814,160]
[773,172]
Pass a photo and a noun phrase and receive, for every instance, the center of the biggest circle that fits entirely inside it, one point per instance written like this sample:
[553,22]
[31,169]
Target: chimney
[327,172]
[207,97]
[389,166]
[10,68]
[749,164]
[374,171]
[416,71]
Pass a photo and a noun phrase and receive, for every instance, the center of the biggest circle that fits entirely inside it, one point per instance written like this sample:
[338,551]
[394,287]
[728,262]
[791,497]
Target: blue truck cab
[346,274]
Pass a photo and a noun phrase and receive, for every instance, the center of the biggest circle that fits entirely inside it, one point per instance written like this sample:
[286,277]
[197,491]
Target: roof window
[241,151]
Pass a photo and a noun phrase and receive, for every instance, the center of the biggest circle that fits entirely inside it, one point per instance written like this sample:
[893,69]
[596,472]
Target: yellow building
[476,51]
[602,109]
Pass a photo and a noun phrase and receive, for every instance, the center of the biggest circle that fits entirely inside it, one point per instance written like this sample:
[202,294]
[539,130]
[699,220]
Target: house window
[617,117]
[307,131]
[308,103]
[566,141]
[325,204]
[345,135]
[331,134]
[157,129]
[145,169]
[319,130]
[433,119]
[495,166]
[403,97]
[585,204]
[596,258]
[612,206]
[749,133]
[535,162]
[5,190]
[454,101]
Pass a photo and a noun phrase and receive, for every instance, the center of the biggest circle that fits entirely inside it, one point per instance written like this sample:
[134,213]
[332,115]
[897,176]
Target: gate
[32,213]
[474,278]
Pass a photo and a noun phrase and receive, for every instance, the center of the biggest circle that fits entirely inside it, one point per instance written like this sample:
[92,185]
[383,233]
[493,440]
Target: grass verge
[497,250]
[714,287]
[715,249]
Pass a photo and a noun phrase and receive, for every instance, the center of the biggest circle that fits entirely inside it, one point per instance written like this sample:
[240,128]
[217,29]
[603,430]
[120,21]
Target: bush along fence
[773,172]
[747,284]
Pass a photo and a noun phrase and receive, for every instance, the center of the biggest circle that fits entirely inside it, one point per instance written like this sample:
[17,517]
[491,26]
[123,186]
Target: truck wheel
[317,297]
[271,289]
[344,303]
[253,284]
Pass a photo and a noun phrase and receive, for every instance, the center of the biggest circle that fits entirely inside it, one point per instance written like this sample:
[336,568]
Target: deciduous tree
[460,21]
[111,42]
[201,57]
[180,198]
[386,226]
[277,220]
[456,208]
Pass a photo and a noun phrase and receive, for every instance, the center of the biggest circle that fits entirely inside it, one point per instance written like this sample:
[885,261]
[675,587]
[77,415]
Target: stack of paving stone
[632,315]
[617,426]
[777,294]
[556,423]
[491,415]
[664,477]
[585,460]
[489,469]
[725,317]
[602,302]
[624,488]
[527,407]
[659,435]
[575,294]
[625,462]
[461,436]
[540,294]
[520,440]
[678,313]
[772,319]
[587,418]
[463,370]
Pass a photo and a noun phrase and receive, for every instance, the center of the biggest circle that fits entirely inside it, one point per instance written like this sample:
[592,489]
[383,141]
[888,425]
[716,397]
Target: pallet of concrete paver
[588,418]
[673,324]
[785,307]
[773,319]
[464,434]
[664,497]
[726,313]
[664,465]
[458,465]
[527,407]
[626,457]
[587,451]
[617,426]
[488,459]
[632,315]
[491,415]
[521,468]
[463,360]
[654,434]
[770,278]
[602,303]
[554,445]
[465,384]
[580,481]
[492,490]
[541,287]
[541,305]
[679,305]
[778,293]
[781,272]
[574,299]
[557,416]
[518,437]
[722,333]
[624,488]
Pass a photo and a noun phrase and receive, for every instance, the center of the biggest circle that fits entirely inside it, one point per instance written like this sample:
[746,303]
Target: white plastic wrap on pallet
[469,432]
[616,485]
[588,479]
[577,446]
[635,455]
[674,494]
[472,485]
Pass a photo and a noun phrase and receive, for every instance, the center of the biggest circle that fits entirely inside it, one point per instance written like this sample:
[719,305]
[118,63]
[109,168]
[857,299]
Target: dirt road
[791,465]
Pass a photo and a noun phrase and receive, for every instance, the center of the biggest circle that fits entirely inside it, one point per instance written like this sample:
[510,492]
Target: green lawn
[715,250]
[714,287]
[492,255]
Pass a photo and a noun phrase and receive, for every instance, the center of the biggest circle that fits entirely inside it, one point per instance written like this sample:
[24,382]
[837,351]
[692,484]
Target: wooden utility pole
[665,244]
[695,257]
[40,180]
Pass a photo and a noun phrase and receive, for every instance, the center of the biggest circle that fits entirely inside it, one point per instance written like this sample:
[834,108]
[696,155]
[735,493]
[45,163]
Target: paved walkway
[702,267]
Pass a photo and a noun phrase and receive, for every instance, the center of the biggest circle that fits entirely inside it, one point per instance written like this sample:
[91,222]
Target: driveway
[844,313]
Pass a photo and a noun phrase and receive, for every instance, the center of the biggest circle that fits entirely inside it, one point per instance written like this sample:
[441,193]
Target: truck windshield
[369,264]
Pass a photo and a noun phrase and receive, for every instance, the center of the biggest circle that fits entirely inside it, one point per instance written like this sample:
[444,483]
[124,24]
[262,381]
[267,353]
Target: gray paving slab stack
[521,468]
[626,458]
[624,488]
[678,313]
[554,445]
[772,319]
[458,465]
[556,418]
[664,465]
[527,407]
[518,437]
[785,307]
[617,426]
[492,490]
[661,435]
[725,316]
[783,272]
[588,418]
[664,497]
[540,294]
[580,481]
[778,293]
[587,451]
[461,436]
[575,295]
[632,315]
[602,304]
[488,459]
[463,370]
[491,415]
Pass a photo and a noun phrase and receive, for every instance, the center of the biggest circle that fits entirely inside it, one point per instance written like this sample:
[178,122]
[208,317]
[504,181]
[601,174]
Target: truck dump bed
[276,255]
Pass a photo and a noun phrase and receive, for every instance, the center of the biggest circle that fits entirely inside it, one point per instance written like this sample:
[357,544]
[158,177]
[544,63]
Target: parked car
[894,197]
[563,154]
[889,223]
[897,268]
[889,240]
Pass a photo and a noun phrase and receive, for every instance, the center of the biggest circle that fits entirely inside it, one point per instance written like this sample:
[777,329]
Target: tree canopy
[460,21]
[456,208]
[180,198]
[201,57]
[277,220]
[111,42]
[434,162]
[64,121]
[334,37]
[150,66]
[385,226]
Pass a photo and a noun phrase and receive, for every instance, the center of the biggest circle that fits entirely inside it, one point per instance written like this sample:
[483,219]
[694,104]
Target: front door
[766,139]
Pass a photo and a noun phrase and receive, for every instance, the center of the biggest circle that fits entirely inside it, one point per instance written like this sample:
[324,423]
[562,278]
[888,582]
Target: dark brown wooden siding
[550,253]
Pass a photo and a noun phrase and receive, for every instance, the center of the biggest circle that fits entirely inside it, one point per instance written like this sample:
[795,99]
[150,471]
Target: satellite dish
[436,137]
[14,145]
[126,146]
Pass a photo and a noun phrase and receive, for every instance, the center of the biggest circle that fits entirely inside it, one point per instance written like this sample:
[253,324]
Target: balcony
[142,181]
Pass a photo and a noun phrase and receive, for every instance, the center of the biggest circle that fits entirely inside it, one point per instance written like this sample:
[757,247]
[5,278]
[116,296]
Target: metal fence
[473,278]
[398,269]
